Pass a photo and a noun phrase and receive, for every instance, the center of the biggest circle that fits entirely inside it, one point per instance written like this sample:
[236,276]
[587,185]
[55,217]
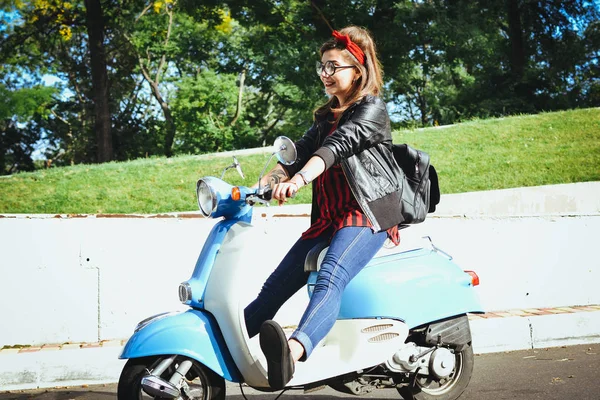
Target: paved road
[549,374]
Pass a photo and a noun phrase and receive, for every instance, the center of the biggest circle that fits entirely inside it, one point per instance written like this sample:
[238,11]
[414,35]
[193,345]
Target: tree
[175,76]
[152,56]
[95,29]
[53,37]
[277,45]
[46,35]
[18,135]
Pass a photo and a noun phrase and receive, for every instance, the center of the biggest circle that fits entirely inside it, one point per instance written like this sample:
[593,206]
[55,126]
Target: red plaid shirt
[338,206]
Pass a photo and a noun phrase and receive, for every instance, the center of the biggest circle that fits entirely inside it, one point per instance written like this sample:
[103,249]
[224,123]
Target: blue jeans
[350,250]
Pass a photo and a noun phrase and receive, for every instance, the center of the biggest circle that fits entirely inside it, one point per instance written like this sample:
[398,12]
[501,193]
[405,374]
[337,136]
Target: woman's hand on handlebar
[285,190]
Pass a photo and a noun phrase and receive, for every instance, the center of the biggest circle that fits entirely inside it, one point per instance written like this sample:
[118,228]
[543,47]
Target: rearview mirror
[237,166]
[285,150]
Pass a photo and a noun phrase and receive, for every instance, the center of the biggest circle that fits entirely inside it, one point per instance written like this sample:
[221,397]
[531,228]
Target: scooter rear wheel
[202,383]
[426,388]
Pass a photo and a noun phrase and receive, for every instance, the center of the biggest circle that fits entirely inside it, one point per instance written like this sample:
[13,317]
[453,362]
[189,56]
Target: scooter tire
[129,387]
[452,389]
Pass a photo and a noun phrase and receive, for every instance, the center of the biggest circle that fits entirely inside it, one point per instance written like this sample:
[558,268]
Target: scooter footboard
[194,334]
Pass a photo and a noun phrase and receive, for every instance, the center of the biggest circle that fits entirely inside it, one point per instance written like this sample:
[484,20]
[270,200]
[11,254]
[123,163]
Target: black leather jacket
[362,145]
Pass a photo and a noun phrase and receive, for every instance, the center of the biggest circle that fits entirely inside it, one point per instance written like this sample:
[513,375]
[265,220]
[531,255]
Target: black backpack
[420,189]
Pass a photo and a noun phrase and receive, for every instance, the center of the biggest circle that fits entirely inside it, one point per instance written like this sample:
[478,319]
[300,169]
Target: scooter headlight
[207,198]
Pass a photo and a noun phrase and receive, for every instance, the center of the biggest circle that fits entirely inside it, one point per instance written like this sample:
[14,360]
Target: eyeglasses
[329,68]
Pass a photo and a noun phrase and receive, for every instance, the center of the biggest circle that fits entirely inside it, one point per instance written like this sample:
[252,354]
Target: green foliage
[19,109]
[175,67]
[22,104]
[528,150]
[452,61]
[204,106]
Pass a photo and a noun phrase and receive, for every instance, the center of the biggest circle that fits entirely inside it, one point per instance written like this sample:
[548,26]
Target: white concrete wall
[88,278]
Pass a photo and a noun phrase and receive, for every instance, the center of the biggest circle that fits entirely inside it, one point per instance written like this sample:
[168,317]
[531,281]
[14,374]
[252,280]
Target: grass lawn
[529,150]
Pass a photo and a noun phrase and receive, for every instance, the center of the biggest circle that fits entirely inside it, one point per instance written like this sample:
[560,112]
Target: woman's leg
[350,251]
[283,283]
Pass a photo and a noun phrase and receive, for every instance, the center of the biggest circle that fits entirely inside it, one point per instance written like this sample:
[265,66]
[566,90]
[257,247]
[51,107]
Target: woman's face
[340,83]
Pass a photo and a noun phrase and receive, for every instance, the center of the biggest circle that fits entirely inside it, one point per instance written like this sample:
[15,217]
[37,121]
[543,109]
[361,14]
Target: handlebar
[263,197]
[267,193]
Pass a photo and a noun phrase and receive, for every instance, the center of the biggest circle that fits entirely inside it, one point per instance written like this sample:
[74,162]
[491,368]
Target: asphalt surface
[545,374]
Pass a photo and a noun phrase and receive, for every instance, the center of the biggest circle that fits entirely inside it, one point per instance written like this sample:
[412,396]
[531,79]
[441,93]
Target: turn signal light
[235,193]
[474,278]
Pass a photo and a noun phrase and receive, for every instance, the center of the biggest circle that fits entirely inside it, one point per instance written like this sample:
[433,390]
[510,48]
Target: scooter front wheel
[427,388]
[199,383]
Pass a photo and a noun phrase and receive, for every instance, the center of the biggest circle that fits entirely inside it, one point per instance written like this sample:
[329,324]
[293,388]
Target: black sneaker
[274,345]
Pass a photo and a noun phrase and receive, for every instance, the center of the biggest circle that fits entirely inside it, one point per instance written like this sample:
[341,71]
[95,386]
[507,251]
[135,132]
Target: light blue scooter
[402,325]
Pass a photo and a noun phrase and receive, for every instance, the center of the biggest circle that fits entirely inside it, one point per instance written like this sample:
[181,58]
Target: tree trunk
[265,133]
[422,105]
[95,27]
[515,34]
[154,83]
[238,110]
[171,129]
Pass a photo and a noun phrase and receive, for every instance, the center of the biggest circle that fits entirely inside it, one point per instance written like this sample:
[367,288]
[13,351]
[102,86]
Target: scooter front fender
[194,334]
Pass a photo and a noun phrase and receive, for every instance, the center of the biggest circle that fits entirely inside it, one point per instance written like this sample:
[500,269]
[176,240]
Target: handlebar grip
[268,194]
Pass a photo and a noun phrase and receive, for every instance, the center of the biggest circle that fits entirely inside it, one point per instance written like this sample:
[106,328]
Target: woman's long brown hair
[371,73]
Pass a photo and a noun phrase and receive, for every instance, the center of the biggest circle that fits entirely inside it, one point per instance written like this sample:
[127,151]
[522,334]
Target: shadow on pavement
[105,392]
[59,394]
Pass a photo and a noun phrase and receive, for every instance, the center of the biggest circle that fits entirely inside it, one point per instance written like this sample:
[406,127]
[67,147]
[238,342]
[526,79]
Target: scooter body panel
[206,259]
[194,334]
[418,287]
[225,298]
[351,345]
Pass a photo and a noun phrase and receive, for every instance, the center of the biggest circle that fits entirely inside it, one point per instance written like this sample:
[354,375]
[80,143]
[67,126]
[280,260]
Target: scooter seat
[315,257]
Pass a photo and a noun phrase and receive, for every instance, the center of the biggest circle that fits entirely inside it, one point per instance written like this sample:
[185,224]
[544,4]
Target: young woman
[346,155]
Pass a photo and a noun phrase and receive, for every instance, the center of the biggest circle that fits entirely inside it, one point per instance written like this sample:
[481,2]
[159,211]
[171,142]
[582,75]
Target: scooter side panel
[227,295]
[205,261]
[418,287]
[194,334]
[351,345]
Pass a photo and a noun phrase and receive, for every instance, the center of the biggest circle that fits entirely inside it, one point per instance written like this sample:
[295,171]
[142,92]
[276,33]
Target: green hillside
[529,150]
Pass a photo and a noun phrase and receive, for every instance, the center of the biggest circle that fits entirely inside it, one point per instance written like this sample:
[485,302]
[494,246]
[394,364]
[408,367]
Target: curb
[74,364]
[20,349]
[535,328]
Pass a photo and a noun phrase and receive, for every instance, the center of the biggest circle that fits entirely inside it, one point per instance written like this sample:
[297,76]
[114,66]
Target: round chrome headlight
[207,199]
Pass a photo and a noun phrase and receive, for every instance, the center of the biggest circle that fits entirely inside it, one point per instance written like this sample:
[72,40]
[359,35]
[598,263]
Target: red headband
[350,46]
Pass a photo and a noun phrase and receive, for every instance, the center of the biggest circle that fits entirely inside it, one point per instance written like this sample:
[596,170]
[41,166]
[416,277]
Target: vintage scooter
[402,325]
